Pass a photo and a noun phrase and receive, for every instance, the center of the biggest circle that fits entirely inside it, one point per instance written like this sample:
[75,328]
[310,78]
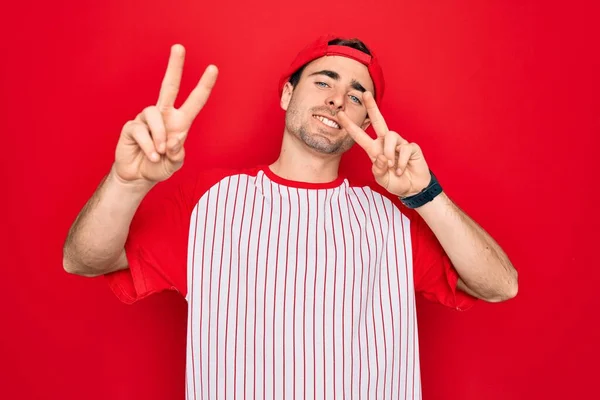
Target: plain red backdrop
[502,96]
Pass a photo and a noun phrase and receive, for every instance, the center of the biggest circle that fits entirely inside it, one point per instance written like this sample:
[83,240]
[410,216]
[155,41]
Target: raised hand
[398,166]
[151,147]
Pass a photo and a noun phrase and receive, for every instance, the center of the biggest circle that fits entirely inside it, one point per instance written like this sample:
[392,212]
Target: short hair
[353,43]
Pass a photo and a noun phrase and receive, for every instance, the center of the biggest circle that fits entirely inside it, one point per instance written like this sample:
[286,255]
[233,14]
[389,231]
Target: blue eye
[355,99]
[321,84]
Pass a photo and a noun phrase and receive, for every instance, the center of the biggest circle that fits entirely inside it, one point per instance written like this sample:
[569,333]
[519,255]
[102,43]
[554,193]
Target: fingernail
[162,147]
[399,171]
[154,156]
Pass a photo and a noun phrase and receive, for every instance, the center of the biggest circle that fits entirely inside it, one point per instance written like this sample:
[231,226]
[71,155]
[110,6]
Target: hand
[150,148]
[398,166]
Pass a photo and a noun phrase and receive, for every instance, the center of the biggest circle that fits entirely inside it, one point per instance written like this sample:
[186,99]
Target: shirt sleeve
[156,246]
[434,275]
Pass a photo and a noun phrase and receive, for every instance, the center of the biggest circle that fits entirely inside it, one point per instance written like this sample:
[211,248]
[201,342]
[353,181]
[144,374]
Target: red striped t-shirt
[295,290]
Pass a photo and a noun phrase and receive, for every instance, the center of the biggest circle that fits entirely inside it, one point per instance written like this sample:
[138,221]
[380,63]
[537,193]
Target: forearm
[482,265]
[95,243]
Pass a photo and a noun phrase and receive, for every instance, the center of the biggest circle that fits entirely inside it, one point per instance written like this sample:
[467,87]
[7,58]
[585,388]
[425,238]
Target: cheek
[293,114]
[297,108]
[357,116]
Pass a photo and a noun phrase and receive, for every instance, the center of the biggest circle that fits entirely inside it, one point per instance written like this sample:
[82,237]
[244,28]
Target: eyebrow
[335,76]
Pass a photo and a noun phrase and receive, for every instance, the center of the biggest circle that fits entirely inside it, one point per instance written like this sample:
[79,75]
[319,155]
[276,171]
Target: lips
[330,122]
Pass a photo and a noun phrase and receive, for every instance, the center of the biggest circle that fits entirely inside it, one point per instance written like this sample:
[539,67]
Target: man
[300,283]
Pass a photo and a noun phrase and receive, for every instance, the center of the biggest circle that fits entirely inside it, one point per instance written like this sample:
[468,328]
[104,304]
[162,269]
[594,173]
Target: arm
[400,167]
[95,243]
[150,150]
[484,269]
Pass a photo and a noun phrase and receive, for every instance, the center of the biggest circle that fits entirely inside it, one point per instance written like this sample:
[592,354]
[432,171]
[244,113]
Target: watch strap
[425,196]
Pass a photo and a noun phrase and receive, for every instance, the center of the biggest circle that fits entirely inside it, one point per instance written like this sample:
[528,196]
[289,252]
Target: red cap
[321,48]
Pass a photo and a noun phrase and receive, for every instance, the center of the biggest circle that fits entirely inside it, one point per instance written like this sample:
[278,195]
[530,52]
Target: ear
[286,95]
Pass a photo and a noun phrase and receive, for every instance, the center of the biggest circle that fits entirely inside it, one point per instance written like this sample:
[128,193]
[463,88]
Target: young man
[300,283]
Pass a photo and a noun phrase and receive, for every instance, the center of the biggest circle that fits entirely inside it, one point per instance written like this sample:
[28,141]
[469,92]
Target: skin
[151,148]
[311,152]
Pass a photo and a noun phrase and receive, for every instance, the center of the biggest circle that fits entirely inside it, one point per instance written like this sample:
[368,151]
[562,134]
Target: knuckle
[163,108]
[179,157]
[149,110]
[173,85]
[128,126]
[132,128]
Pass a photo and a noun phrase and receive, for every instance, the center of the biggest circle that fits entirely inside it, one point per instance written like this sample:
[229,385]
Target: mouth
[327,121]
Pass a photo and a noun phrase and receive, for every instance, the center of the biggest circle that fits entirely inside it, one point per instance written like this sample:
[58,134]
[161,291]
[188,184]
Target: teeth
[327,122]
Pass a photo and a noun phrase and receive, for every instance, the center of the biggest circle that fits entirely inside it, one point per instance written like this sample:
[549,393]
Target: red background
[502,97]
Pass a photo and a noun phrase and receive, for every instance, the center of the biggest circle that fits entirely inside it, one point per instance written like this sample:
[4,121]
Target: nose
[335,102]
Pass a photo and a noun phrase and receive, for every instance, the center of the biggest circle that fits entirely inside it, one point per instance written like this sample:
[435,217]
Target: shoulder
[199,181]
[186,187]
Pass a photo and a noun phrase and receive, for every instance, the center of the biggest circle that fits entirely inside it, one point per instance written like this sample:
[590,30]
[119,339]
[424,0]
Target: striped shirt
[295,290]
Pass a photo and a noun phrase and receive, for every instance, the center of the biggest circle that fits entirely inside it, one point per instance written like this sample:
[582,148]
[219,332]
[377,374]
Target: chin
[322,143]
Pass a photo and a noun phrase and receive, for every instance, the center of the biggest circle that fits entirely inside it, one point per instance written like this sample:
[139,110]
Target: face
[327,85]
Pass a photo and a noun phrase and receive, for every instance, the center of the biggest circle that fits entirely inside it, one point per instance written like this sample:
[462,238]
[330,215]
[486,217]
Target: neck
[298,162]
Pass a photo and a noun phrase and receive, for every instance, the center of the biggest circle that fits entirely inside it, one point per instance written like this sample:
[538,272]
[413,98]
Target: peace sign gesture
[398,166]
[150,148]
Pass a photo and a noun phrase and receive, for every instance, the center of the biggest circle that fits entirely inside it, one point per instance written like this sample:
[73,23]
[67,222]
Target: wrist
[138,187]
[431,207]
[428,194]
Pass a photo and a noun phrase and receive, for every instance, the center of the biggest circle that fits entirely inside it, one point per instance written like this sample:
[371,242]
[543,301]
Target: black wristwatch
[425,196]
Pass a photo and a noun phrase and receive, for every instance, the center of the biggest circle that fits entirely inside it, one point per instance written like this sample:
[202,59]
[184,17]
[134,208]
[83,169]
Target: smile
[327,121]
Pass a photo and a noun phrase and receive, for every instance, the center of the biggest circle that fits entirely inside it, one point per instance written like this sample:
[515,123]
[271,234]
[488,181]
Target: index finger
[170,84]
[375,116]
[360,137]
